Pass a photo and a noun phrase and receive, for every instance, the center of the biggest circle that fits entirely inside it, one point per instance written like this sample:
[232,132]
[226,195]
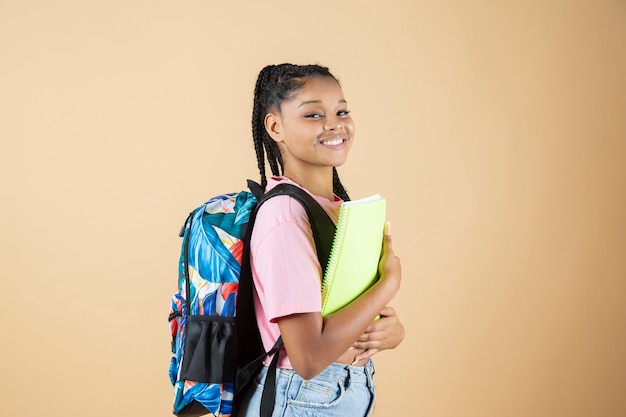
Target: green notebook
[353,263]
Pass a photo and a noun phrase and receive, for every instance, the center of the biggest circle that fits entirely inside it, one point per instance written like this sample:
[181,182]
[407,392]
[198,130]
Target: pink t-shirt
[285,269]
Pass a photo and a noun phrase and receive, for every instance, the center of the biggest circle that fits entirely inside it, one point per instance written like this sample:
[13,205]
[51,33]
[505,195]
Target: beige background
[495,129]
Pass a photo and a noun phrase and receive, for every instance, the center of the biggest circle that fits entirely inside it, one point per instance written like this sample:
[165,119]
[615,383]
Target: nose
[333,123]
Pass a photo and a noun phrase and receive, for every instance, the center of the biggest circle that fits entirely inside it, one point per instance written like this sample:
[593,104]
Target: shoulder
[290,209]
[279,210]
[281,225]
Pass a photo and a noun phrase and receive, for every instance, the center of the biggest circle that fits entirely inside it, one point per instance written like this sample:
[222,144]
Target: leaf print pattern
[215,254]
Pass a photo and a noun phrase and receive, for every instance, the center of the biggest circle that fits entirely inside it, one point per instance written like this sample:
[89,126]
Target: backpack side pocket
[210,349]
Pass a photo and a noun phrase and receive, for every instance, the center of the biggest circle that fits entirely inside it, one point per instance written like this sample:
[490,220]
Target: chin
[338,164]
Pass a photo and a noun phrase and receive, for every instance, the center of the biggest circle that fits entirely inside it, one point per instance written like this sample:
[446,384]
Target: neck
[319,182]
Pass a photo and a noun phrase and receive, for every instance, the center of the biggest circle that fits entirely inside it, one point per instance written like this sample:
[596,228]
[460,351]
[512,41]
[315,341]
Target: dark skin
[382,334]
[314,133]
[314,342]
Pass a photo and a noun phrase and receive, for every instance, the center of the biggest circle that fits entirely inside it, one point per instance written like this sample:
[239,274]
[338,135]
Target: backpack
[216,344]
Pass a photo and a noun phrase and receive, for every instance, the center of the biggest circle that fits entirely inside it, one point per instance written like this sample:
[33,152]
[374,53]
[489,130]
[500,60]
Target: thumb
[387,229]
[387,247]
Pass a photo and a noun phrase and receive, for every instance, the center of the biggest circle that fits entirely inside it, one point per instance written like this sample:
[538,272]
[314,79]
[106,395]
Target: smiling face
[313,128]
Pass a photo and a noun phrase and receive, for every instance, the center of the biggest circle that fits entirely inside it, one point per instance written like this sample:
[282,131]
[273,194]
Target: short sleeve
[287,273]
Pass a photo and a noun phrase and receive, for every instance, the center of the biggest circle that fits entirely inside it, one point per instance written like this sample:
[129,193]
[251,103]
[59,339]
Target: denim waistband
[347,373]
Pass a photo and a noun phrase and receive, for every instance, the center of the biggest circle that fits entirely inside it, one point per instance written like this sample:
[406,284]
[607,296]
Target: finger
[369,344]
[388,251]
[386,235]
[388,312]
[378,326]
[387,319]
[387,243]
[365,337]
[364,355]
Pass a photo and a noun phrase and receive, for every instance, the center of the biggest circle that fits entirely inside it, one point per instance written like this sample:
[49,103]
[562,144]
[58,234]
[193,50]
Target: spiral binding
[338,239]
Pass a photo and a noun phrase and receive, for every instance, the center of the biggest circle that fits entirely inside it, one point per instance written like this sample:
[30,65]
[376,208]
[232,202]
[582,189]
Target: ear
[274,127]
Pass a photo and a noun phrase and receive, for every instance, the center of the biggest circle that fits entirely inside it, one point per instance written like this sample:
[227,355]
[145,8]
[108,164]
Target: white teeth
[333,142]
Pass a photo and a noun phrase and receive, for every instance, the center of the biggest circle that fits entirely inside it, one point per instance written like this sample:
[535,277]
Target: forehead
[318,88]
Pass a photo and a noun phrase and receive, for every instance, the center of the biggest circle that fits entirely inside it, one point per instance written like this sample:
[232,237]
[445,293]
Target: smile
[333,142]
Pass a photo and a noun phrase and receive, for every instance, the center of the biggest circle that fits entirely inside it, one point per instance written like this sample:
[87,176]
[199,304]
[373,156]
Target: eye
[343,113]
[313,116]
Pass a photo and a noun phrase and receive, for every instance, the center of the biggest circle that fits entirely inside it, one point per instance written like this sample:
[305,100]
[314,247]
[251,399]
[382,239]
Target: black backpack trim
[250,350]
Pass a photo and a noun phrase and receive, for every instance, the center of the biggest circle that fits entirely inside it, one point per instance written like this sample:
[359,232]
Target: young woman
[302,124]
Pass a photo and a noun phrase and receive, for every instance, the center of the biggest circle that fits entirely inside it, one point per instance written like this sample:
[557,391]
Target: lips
[334,141]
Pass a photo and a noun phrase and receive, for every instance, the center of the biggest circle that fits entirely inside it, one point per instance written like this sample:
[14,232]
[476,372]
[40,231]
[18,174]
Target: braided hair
[275,84]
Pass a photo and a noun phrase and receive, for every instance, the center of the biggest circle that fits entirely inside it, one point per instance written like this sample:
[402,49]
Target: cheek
[350,127]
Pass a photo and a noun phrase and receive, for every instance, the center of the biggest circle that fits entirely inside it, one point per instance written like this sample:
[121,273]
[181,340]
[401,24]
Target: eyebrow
[304,103]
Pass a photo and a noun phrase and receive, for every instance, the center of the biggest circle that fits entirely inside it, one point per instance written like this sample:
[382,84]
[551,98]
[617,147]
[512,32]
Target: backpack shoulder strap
[322,225]
[255,189]
[323,230]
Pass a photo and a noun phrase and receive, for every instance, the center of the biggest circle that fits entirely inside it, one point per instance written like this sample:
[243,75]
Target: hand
[385,333]
[389,267]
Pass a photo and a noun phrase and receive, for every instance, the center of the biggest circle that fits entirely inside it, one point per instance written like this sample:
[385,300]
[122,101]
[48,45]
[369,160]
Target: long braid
[258,128]
[275,84]
[338,187]
[273,154]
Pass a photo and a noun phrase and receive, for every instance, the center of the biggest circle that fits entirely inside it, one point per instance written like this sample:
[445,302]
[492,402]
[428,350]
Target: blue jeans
[338,391]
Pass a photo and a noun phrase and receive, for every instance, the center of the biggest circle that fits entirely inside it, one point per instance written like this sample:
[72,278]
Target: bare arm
[313,341]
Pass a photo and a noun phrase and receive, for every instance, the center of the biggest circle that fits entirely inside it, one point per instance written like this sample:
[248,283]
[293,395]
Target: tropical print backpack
[216,344]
